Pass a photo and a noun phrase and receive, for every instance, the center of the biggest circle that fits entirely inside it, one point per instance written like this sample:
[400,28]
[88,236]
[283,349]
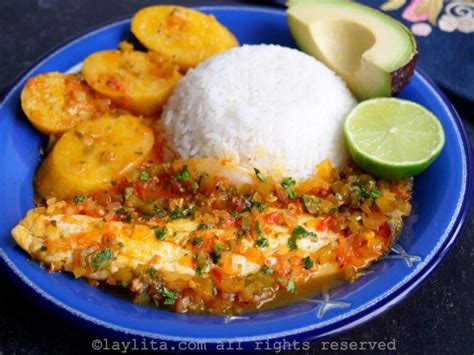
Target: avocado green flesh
[360,44]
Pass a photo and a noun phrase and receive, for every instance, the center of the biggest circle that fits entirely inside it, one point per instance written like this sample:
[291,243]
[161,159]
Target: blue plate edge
[360,317]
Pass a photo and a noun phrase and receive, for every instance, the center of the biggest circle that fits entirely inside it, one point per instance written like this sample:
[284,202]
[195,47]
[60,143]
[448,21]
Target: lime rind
[413,146]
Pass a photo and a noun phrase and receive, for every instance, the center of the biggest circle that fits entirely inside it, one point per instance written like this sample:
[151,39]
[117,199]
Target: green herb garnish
[333,210]
[307,263]
[288,184]
[101,259]
[291,287]
[216,254]
[258,230]
[259,205]
[182,213]
[199,269]
[79,198]
[301,232]
[375,194]
[259,175]
[169,295]
[203,226]
[262,243]
[158,211]
[144,176]
[196,241]
[298,233]
[183,174]
[160,233]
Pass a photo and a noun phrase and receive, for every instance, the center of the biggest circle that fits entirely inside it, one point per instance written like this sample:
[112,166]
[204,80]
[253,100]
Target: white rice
[266,106]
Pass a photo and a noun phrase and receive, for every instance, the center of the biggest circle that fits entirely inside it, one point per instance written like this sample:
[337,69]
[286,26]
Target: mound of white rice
[267,106]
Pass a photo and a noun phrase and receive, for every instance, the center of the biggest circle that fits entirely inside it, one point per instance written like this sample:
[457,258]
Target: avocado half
[371,51]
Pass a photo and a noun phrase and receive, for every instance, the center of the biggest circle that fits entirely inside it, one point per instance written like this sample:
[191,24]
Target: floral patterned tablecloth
[445,36]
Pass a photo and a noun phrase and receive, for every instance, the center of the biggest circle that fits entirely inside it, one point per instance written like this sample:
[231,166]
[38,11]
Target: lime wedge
[393,139]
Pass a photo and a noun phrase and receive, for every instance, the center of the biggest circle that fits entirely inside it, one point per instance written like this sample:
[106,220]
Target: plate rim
[344,322]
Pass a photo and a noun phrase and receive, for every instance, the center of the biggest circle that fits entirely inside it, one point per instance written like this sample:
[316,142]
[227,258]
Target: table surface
[437,318]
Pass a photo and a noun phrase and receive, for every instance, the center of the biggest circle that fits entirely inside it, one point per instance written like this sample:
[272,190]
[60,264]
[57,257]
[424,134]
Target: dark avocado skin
[401,77]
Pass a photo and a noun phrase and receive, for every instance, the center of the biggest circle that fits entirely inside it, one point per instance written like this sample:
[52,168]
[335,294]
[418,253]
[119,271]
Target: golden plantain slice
[56,102]
[185,36]
[89,157]
[136,81]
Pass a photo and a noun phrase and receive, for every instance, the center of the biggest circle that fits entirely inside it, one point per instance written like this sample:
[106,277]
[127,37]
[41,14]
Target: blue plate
[441,204]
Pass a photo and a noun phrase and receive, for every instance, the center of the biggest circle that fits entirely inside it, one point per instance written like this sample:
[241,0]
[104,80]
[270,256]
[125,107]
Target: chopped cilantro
[144,176]
[182,213]
[298,233]
[288,184]
[259,205]
[216,254]
[266,269]
[160,233]
[301,232]
[169,295]
[195,186]
[333,210]
[259,175]
[54,223]
[101,259]
[258,230]
[79,198]
[183,174]
[307,263]
[220,186]
[43,248]
[292,243]
[363,191]
[200,269]
[290,286]
[158,211]
[375,194]
[203,226]
[196,241]
[262,242]
[177,213]
[79,134]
